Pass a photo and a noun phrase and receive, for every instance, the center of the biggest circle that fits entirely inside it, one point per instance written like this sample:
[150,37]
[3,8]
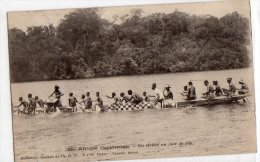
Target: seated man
[145,97]
[167,93]
[231,91]
[116,99]
[185,92]
[159,98]
[232,88]
[218,90]
[244,88]
[134,97]
[209,94]
[191,95]
[124,98]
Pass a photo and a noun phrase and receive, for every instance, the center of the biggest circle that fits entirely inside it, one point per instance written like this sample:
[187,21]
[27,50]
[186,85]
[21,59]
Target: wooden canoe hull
[214,101]
[169,104]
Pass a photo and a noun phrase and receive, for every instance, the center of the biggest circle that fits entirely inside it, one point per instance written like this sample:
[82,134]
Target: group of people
[158,98]
[87,102]
[31,105]
[215,90]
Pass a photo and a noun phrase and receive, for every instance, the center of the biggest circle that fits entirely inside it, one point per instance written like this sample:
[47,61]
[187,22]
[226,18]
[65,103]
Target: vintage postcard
[132,82]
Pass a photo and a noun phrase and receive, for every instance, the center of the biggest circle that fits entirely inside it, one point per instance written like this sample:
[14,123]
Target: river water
[222,129]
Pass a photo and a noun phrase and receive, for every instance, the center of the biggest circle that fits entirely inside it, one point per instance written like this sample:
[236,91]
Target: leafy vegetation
[84,45]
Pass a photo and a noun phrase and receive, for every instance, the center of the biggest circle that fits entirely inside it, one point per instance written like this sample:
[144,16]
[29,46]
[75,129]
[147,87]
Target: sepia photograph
[132,82]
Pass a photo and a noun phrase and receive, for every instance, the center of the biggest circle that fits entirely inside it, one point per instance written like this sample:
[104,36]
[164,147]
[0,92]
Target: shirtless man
[116,99]
[134,97]
[32,103]
[58,95]
[73,102]
[24,104]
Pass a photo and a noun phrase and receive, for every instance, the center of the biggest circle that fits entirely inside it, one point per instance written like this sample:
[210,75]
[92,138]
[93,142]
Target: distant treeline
[84,45]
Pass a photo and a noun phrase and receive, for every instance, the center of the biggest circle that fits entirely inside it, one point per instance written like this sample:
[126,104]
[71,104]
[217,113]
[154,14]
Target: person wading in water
[58,95]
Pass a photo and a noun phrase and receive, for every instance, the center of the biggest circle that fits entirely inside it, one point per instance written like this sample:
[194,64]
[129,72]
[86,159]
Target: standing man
[73,102]
[32,103]
[99,103]
[158,95]
[58,95]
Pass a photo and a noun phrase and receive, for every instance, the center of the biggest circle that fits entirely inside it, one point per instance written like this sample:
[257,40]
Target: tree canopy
[84,45]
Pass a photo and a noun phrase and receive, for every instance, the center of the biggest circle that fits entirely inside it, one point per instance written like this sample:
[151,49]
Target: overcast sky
[23,19]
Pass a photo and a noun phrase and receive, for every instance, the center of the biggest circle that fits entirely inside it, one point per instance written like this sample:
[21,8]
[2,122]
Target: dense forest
[84,45]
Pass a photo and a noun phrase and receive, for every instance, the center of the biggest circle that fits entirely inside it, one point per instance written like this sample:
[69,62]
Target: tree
[81,31]
[84,45]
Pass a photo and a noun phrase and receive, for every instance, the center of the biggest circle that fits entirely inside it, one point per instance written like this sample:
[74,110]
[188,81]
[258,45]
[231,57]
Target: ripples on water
[212,130]
[218,130]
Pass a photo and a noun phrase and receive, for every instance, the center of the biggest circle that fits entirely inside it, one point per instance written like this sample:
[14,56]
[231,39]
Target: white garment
[159,92]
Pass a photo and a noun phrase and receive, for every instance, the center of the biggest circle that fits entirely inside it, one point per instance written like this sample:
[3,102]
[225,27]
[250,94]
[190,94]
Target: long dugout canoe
[181,103]
[168,104]
[214,101]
